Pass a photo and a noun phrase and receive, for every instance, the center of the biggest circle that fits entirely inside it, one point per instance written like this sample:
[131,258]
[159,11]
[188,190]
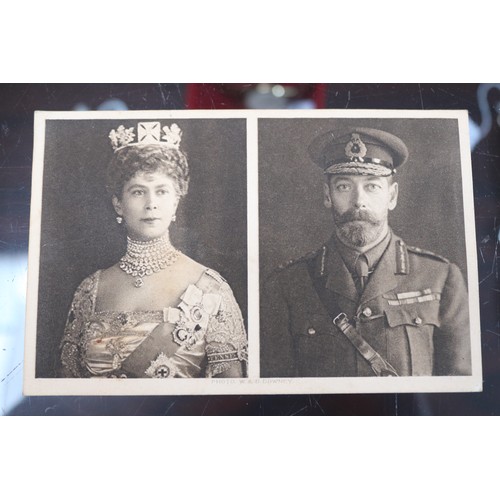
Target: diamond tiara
[147,133]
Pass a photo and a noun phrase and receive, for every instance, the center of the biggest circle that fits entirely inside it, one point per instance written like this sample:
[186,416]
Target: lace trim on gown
[225,342]
[226,338]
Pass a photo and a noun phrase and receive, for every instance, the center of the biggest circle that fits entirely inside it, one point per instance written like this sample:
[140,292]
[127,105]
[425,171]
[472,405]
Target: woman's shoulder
[110,273]
[200,272]
[214,276]
[85,294]
[89,283]
[196,273]
[189,268]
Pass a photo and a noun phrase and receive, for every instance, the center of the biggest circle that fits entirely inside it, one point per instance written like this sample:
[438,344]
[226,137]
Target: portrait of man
[367,301]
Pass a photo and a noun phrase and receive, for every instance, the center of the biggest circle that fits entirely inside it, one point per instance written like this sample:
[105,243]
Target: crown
[147,133]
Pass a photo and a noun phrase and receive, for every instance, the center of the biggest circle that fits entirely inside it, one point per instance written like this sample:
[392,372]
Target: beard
[358,228]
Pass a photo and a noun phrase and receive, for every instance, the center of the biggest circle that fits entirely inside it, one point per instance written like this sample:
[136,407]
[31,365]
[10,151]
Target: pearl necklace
[144,258]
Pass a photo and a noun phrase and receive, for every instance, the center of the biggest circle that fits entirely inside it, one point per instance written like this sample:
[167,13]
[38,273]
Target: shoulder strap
[378,364]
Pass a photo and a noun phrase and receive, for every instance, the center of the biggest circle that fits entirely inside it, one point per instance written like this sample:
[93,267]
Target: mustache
[357,216]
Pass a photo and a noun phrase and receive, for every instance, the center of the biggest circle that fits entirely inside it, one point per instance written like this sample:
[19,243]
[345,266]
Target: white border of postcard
[253,384]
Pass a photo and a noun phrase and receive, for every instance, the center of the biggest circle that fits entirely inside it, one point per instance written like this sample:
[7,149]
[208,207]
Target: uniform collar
[383,278]
[350,256]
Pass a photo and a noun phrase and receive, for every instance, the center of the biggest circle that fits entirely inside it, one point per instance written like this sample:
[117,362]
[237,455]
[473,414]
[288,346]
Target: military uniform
[409,317]
[413,312]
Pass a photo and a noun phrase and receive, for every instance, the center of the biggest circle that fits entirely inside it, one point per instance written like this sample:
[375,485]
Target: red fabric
[231,95]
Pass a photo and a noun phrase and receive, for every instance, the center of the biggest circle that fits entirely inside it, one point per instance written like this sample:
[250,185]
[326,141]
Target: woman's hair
[148,158]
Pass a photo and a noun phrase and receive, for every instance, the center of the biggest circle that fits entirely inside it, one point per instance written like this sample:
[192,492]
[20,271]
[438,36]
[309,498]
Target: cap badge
[355,149]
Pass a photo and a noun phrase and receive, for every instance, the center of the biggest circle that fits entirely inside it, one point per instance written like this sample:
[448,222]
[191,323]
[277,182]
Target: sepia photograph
[366,239]
[252,252]
[141,250]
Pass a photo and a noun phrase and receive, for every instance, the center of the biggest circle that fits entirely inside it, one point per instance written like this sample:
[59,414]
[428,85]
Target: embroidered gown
[203,336]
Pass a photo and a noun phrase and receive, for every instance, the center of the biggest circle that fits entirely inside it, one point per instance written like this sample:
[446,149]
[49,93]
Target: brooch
[192,315]
[161,367]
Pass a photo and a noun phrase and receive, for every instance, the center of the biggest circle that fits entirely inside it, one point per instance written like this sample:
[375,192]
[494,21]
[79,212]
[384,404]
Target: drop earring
[119,219]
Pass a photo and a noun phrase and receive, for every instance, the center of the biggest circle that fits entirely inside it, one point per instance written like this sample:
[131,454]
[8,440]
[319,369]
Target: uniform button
[311,331]
[367,312]
[417,320]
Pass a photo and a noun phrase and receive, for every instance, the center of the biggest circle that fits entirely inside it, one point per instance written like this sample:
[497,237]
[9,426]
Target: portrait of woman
[156,312]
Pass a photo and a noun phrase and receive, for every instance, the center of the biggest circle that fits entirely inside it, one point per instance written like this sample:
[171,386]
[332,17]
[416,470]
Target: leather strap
[378,364]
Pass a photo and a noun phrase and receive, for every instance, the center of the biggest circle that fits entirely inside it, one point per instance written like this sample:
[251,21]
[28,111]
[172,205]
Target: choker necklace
[144,258]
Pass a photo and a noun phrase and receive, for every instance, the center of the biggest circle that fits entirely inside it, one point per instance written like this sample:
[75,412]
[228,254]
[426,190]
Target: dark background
[293,219]
[17,104]
[79,232]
